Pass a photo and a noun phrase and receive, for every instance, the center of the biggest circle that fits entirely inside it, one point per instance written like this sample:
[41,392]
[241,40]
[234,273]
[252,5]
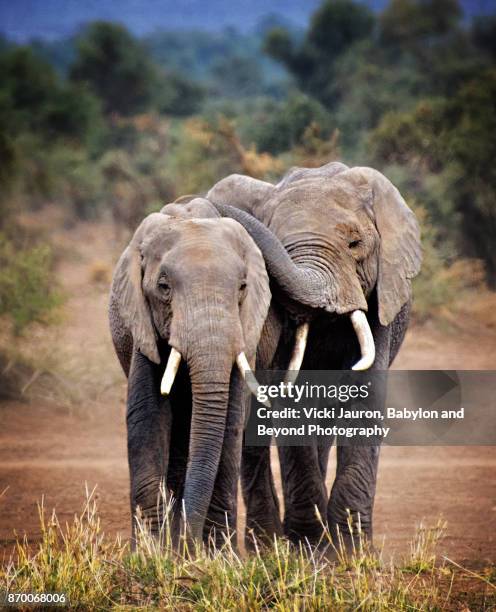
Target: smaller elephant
[188,302]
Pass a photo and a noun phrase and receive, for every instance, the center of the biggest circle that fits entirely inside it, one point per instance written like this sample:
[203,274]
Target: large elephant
[188,301]
[341,247]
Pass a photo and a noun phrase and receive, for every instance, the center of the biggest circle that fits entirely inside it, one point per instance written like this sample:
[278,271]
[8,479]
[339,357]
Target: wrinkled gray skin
[334,239]
[200,286]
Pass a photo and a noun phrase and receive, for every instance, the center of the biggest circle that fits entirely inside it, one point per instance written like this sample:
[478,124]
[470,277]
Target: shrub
[27,287]
[281,126]
[443,282]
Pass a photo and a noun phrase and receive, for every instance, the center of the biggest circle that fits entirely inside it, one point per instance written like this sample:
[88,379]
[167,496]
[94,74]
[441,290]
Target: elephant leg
[323,454]
[304,492]
[180,399]
[263,519]
[148,431]
[222,513]
[353,491]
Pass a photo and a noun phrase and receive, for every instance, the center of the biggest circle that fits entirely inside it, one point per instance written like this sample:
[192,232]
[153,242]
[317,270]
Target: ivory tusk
[251,381]
[365,339]
[170,372]
[298,353]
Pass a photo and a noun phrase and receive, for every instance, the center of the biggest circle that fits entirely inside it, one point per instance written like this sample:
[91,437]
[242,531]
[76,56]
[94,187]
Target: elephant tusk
[365,339]
[251,381]
[170,371]
[298,353]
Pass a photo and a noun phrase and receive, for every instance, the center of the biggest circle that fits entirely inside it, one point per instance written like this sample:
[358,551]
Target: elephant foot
[349,531]
[261,530]
[304,530]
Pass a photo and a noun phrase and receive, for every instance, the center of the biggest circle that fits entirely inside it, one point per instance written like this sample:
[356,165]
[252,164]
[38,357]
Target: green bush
[34,99]
[27,287]
[276,127]
[451,141]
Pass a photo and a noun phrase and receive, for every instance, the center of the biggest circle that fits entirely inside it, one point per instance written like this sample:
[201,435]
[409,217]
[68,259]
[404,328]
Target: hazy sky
[24,19]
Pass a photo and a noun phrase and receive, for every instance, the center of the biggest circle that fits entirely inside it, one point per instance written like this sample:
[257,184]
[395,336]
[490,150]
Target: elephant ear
[243,192]
[256,302]
[400,254]
[127,290]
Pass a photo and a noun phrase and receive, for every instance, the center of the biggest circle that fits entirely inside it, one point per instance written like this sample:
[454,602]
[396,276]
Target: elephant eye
[163,284]
[242,291]
[354,243]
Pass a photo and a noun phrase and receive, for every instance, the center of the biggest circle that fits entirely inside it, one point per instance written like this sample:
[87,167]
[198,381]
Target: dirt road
[52,452]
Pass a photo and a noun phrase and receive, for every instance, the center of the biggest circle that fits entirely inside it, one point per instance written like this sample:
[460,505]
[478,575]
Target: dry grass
[99,573]
[100,273]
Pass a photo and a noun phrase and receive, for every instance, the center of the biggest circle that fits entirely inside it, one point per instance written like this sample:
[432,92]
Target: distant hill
[21,20]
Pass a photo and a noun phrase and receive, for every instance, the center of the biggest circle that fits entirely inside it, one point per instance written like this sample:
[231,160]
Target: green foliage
[405,88]
[227,63]
[27,287]
[178,96]
[78,182]
[365,87]
[334,28]
[279,126]
[361,67]
[203,146]
[279,45]
[116,67]
[411,23]
[452,140]
[484,34]
[136,182]
[32,98]
[28,85]
[120,71]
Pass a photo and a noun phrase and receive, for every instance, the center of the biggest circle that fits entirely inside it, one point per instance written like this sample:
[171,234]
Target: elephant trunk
[208,344]
[210,391]
[302,284]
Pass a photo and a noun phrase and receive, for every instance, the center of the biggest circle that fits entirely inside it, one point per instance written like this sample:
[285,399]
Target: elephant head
[330,236]
[195,290]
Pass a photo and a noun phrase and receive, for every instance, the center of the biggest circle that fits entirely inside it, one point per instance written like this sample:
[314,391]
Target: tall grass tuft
[101,573]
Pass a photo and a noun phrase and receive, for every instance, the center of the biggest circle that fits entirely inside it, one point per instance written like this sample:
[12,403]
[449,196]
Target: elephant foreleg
[353,491]
[304,492]
[259,495]
[222,514]
[148,430]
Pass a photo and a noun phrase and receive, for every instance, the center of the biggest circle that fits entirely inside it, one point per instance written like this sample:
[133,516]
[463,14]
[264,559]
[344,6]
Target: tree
[28,85]
[116,67]
[484,34]
[33,98]
[452,139]
[334,28]
[411,23]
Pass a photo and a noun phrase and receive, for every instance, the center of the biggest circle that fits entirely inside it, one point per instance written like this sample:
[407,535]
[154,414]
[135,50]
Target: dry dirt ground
[52,451]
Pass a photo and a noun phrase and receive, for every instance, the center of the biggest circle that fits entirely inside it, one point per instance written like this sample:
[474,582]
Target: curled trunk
[303,285]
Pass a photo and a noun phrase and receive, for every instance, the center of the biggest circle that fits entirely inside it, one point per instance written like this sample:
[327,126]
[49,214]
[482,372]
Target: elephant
[341,247]
[188,301]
